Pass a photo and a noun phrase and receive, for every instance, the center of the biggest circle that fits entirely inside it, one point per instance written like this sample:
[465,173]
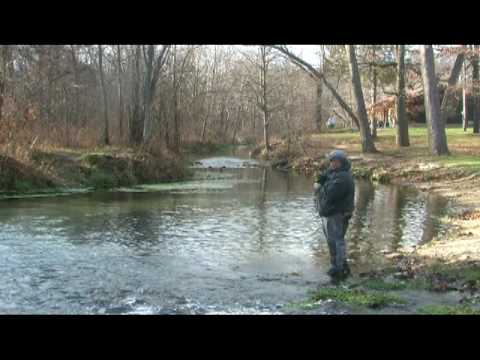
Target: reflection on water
[248,247]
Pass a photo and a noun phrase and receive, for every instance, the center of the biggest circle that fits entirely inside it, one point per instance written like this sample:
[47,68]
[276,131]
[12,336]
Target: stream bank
[450,263]
[64,171]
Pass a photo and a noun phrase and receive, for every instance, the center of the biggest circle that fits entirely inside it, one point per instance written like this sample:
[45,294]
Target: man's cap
[337,155]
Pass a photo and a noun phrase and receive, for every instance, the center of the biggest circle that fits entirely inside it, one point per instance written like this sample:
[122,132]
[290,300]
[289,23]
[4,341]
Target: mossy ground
[101,169]
[357,297]
[354,297]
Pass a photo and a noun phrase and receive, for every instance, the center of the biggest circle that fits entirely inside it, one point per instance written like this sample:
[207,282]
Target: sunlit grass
[357,297]
[464,146]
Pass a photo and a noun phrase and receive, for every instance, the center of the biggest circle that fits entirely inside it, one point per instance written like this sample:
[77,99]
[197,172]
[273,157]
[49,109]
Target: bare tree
[106,138]
[120,91]
[212,90]
[436,126]
[263,88]
[449,101]
[264,104]
[178,75]
[136,125]
[3,75]
[367,142]
[476,89]
[402,137]
[374,72]
[315,74]
[319,85]
[464,98]
[152,72]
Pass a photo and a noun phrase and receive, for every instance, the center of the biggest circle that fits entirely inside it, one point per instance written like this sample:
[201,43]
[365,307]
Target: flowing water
[237,239]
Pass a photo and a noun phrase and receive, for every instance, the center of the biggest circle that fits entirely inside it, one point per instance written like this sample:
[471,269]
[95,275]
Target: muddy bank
[51,171]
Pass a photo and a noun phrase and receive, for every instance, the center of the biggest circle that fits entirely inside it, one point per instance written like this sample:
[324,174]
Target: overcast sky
[307,52]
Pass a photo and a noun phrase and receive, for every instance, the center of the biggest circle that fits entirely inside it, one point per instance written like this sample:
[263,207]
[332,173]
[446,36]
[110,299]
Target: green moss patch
[358,297]
[383,285]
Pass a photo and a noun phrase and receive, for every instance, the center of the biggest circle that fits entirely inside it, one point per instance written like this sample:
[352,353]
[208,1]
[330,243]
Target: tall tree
[211,87]
[5,51]
[136,125]
[314,73]
[319,86]
[402,137]
[178,74]
[450,101]
[264,105]
[152,72]
[374,72]
[367,142]
[262,88]
[476,89]
[464,98]
[76,106]
[436,126]
[106,138]
[120,91]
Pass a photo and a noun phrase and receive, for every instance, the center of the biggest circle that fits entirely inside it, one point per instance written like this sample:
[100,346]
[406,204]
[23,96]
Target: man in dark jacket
[335,192]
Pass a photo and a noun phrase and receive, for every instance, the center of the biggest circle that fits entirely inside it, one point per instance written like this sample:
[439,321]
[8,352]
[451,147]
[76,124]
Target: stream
[236,239]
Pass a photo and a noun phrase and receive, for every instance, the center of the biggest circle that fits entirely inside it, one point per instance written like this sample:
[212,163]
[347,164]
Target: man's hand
[322,178]
[316,186]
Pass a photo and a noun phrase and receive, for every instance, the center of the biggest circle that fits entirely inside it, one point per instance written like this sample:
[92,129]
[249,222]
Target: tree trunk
[374,101]
[265,104]
[211,104]
[152,71]
[4,75]
[176,135]
[76,101]
[136,124]
[342,103]
[402,122]
[450,101]
[147,94]
[310,70]
[436,126]
[120,93]
[235,125]
[106,139]
[367,142]
[48,99]
[464,99]
[476,90]
[318,117]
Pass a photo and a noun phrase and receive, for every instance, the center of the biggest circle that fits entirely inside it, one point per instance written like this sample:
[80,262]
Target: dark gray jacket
[337,193]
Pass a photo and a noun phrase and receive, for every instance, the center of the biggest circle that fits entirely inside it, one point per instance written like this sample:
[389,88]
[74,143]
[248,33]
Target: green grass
[382,285]
[357,297]
[448,310]
[464,146]
[102,180]
[468,162]
[464,273]
[23,186]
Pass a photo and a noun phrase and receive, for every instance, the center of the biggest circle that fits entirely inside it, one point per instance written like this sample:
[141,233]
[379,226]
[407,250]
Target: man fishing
[335,194]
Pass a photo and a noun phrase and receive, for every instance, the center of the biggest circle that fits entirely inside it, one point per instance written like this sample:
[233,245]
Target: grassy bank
[53,170]
[410,164]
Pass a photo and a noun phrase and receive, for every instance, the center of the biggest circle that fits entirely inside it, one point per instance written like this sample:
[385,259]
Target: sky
[307,52]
